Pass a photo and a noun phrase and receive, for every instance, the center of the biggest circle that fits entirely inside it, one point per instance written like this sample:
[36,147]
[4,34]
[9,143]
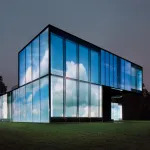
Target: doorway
[116,111]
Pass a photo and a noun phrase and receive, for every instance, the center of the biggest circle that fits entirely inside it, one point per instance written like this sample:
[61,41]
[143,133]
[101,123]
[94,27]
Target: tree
[145,91]
[3,87]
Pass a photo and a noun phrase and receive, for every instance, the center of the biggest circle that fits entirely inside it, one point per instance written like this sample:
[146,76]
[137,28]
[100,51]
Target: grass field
[129,135]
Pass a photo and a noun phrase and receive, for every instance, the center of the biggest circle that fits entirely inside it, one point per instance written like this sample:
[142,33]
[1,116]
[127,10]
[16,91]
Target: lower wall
[58,119]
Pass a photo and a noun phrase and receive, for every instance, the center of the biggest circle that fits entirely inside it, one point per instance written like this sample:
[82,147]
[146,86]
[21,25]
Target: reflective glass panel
[133,72]
[71,59]
[71,98]
[115,72]
[35,59]
[14,112]
[44,52]
[83,99]
[139,80]
[122,75]
[102,67]
[29,103]
[111,70]
[127,75]
[94,100]
[83,63]
[44,91]
[22,67]
[107,68]
[56,97]
[17,107]
[101,100]
[36,102]
[22,104]
[56,55]
[94,66]
[4,107]
[28,64]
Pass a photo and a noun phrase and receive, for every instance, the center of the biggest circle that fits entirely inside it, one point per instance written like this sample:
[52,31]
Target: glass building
[62,77]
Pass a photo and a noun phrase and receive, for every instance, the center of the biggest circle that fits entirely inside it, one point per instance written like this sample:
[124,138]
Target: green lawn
[134,135]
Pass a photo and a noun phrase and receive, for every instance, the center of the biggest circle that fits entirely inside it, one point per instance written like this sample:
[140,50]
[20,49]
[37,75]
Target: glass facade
[34,59]
[30,103]
[61,76]
[74,79]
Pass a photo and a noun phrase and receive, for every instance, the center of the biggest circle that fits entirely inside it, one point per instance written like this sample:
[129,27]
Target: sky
[120,26]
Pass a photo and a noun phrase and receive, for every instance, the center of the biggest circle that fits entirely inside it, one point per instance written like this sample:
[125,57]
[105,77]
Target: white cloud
[71,68]
[44,68]
[44,62]
[82,72]
[36,111]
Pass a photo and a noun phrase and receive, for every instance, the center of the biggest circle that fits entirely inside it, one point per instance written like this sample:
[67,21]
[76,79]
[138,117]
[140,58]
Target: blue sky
[122,27]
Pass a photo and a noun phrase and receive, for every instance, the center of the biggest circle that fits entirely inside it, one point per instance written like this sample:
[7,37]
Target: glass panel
[139,80]
[115,72]
[122,73]
[119,72]
[101,99]
[9,106]
[102,67]
[127,75]
[44,52]
[133,71]
[36,102]
[22,67]
[94,100]
[94,66]
[17,106]
[71,98]
[28,63]
[83,99]
[56,97]
[35,59]
[83,63]
[29,103]
[107,68]
[22,104]
[4,106]
[44,87]
[14,116]
[71,59]
[56,55]
[111,70]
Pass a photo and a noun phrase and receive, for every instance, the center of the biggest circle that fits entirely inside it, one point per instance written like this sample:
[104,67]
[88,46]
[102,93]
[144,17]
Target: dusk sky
[120,26]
